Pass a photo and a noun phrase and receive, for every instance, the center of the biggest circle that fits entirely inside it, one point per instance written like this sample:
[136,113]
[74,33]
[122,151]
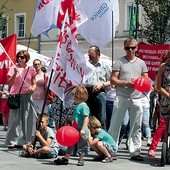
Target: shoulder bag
[13,100]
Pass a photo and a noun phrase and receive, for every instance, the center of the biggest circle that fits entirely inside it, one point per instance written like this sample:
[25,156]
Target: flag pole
[112,38]
[137,18]
[46,95]
[42,111]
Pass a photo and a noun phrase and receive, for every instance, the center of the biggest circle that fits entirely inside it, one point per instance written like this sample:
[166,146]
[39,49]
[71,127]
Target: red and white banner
[9,45]
[76,15]
[70,65]
[151,54]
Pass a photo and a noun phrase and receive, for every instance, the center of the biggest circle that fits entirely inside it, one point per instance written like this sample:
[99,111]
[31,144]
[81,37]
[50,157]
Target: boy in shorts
[101,142]
[46,138]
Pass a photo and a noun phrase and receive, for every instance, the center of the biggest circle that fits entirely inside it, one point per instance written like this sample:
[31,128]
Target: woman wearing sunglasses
[21,81]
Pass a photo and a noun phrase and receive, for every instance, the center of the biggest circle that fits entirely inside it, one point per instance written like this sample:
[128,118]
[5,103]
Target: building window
[3,27]
[20,22]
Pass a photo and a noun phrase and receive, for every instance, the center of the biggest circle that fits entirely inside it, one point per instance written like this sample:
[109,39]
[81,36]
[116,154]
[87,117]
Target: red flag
[9,45]
[70,6]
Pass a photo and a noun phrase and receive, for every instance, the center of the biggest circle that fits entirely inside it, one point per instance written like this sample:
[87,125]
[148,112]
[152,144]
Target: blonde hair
[81,93]
[130,40]
[44,115]
[94,122]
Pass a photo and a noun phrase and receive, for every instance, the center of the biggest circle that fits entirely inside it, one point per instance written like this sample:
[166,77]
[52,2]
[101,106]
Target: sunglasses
[128,48]
[37,64]
[21,57]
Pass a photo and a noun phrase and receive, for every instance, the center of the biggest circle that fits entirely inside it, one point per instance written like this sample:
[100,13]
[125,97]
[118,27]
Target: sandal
[137,158]
[61,161]
[24,154]
[107,160]
[80,163]
[114,158]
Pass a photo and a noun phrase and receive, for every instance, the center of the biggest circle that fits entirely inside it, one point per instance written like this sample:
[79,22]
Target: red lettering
[43,3]
[62,80]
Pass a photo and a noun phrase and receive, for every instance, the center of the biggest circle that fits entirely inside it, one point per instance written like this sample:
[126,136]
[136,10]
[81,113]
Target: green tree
[132,22]
[3,10]
[157,18]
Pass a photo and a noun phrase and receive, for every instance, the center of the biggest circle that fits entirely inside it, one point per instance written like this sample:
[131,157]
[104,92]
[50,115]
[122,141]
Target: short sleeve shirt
[50,134]
[128,71]
[18,80]
[105,137]
[79,111]
[101,73]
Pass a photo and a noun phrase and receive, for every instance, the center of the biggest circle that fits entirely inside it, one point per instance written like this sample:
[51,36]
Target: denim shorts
[52,154]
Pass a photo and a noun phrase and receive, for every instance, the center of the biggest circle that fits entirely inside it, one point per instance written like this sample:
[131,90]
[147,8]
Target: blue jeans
[145,122]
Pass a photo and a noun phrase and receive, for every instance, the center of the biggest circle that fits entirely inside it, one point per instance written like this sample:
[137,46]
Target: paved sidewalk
[9,160]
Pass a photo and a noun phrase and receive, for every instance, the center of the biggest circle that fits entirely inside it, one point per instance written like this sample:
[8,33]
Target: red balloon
[67,136]
[142,84]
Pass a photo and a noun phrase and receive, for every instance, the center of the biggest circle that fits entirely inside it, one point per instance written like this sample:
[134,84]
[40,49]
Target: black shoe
[99,158]
[137,158]
[61,161]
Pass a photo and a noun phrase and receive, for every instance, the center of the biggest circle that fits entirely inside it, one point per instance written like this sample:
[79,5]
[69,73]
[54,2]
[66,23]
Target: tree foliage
[157,19]
[3,10]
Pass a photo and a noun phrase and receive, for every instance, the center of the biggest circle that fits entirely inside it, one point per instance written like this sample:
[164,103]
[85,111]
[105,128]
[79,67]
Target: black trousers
[95,103]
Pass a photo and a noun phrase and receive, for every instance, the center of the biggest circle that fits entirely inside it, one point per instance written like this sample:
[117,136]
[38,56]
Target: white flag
[1,49]
[71,67]
[97,29]
[45,16]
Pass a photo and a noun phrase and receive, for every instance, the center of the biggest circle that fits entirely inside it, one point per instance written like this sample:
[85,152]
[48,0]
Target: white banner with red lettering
[151,54]
[70,66]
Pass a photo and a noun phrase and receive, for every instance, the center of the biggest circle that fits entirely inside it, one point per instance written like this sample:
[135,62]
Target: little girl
[80,121]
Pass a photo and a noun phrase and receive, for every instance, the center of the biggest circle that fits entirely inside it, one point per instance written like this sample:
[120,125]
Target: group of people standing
[113,84]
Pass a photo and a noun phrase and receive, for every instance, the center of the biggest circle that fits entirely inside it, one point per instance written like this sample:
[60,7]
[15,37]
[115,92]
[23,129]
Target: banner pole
[42,111]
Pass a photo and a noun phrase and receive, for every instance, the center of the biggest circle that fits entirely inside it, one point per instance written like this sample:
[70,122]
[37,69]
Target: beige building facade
[20,16]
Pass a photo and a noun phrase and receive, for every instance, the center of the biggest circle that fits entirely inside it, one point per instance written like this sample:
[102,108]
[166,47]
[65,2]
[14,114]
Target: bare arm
[85,124]
[33,87]
[12,78]
[91,140]
[158,85]
[42,140]
[117,82]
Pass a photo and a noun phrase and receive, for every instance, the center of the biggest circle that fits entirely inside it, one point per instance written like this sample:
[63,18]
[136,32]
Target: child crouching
[101,142]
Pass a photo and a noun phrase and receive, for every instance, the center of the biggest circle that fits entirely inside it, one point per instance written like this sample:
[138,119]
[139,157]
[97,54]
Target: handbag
[14,100]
